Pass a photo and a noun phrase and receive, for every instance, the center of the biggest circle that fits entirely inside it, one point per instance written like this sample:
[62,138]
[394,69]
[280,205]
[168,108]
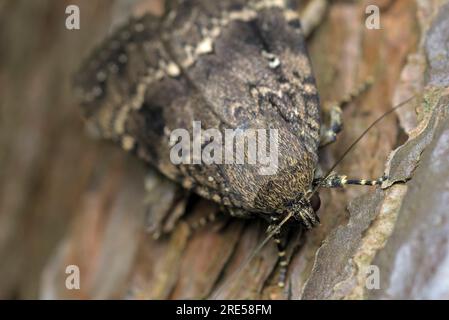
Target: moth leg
[283,263]
[203,221]
[280,238]
[239,213]
[164,203]
[338,181]
[218,214]
[312,15]
[329,132]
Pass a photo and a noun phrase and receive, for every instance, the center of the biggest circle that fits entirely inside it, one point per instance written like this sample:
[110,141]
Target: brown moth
[231,64]
[228,64]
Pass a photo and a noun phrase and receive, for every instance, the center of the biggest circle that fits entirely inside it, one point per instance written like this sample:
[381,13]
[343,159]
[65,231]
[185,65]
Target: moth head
[304,210]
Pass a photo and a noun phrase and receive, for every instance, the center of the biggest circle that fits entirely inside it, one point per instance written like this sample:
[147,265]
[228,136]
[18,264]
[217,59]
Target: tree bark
[66,199]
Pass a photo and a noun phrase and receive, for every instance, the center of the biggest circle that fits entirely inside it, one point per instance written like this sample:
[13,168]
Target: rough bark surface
[66,199]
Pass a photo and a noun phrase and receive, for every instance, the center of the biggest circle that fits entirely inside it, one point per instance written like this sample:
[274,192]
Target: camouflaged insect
[229,64]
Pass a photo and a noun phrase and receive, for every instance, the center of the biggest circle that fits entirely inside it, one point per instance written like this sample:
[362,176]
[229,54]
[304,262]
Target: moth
[229,64]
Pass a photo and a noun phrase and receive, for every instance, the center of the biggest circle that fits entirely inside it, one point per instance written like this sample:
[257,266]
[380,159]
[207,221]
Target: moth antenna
[270,235]
[403,103]
[258,249]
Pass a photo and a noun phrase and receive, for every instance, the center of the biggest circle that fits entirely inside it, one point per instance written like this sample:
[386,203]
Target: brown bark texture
[67,199]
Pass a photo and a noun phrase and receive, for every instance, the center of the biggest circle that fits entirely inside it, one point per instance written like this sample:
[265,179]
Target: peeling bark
[68,199]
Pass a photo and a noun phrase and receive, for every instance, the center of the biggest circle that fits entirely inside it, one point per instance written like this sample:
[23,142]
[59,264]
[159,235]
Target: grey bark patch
[406,157]
[437,49]
[414,263]
[333,259]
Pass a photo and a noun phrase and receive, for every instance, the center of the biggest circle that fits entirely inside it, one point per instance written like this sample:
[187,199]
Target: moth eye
[315,202]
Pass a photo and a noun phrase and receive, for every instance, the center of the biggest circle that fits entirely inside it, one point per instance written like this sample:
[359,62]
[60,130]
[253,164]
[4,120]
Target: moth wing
[227,64]
[251,69]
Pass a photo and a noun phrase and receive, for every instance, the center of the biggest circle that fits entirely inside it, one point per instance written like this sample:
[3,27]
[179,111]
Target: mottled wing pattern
[229,64]
[109,80]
